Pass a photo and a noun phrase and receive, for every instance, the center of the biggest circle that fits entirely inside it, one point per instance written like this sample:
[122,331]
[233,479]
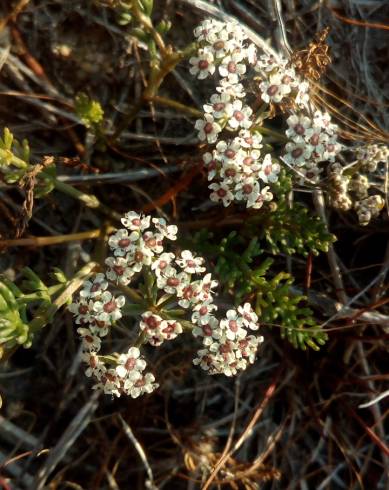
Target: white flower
[109,382]
[331,149]
[143,253]
[274,90]
[249,317]
[251,54]
[230,173]
[108,307]
[131,364]
[297,153]
[217,105]
[174,283]
[95,366]
[211,164]
[90,342]
[207,331]
[171,329]
[221,192]
[168,231]
[190,264]
[232,67]
[121,242]
[207,29]
[268,63]
[322,120]
[118,270]
[247,139]
[251,164]
[145,384]
[203,64]
[153,242]
[233,326]
[220,44]
[136,222]
[298,127]
[162,263]
[247,190]
[188,294]
[248,347]
[309,172]
[94,288]
[202,312]
[208,128]
[206,286]
[238,114]
[83,311]
[269,170]
[264,196]
[230,151]
[234,90]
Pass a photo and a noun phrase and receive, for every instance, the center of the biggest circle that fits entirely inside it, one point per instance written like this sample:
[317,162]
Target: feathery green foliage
[243,276]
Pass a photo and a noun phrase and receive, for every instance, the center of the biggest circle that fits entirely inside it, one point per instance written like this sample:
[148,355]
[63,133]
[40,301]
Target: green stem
[270,132]
[130,293]
[89,200]
[12,159]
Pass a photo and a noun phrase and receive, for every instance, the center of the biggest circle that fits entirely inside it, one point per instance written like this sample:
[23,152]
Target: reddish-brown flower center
[162,264]
[219,106]
[238,115]
[203,310]
[130,363]
[218,45]
[272,90]
[231,67]
[124,242]
[110,306]
[230,153]
[119,269]
[203,64]
[208,128]
[152,322]
[314,139]
[230,172]
[233,325]
[173,281]
[267,170]
[297,152]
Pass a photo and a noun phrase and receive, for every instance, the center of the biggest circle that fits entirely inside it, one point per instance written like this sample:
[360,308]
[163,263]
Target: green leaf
[89,111]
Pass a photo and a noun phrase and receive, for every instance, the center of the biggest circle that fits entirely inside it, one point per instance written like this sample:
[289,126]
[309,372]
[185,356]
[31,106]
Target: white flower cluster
[312,140]
[236,164]
[96,310]
[227,347]
[175,279]
[280,84]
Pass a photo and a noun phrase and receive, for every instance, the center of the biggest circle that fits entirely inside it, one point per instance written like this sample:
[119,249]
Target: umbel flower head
[177,295]
[251,87]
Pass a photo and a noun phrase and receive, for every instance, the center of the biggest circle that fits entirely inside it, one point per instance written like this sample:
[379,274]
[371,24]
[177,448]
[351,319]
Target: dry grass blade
[66,441]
